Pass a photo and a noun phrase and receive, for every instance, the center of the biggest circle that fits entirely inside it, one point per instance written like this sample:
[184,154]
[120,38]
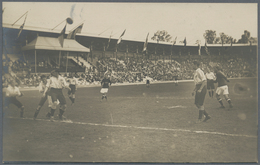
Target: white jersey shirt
[73,81]
[199,76]
[57,83]
[210,76]
[12,91]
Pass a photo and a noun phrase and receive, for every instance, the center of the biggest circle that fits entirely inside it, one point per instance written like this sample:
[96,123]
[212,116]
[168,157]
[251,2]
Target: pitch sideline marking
[145,128]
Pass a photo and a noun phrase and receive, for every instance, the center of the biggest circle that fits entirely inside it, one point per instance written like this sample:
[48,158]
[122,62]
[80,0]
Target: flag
[185,42]
[174,42]
[146,43]
[21,27]
[120,38]
[109,40]
[72,34]
[61,37]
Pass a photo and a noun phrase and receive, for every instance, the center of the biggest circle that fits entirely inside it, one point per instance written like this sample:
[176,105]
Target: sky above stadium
[180,20]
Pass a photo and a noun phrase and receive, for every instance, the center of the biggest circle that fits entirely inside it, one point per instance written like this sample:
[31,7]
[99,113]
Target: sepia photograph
[128,82]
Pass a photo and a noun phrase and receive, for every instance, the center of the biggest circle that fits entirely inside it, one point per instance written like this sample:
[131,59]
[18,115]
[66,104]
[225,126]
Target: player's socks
[200,114]
[229,102]
[48,115]
[36,113]
[212,93]
[209,94]
[71,99]
[205,113]
[61,113]
[106,97]
[221,103]
[52,112]
[207,116]
[21,112]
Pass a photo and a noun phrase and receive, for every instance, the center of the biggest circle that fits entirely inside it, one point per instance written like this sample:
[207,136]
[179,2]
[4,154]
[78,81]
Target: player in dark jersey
[222,88]
[105,83]
[73,87]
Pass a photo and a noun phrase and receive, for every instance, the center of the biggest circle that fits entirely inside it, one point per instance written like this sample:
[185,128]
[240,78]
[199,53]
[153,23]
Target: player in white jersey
[200,91]
[42,87]
[10,97]
[55,85]
[73,86]
[210,82]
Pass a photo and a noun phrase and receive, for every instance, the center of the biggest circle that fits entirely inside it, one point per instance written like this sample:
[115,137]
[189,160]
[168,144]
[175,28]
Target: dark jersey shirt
[221,79]
[105,83]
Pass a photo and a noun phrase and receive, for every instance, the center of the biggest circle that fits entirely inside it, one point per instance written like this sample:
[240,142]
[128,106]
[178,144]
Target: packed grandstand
[126,69]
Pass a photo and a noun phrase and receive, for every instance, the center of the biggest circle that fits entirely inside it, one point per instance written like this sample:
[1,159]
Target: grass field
[137,124]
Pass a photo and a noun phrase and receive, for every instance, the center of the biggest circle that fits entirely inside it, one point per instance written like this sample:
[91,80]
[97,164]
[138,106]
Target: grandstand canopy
[50,43]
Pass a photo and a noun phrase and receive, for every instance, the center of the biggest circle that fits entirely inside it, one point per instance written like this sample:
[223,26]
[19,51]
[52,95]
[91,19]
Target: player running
[55,85]
[10,97]
[105,83]
[42,87]
[73,86]
[222,88]
[200,91]
[210,82]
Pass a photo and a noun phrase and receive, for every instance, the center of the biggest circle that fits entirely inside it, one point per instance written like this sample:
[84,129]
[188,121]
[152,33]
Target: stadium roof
[50,43]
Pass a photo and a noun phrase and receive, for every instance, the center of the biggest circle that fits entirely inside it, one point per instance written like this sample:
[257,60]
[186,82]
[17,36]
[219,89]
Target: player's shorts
[72,89]
[210,84]
[43,100]
[222,90]
[104,90]
[56,94]
[147,81]
[200,97]
[13,100]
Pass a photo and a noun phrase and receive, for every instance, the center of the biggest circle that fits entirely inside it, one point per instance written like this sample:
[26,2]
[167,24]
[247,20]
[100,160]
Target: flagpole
[19,18]
[59,58]
[116,59]
[67,63]
[35,61]
[104,53]
[171,54]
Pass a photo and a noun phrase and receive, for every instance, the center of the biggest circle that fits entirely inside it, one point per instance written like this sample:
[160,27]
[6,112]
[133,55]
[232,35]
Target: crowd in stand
[130,70]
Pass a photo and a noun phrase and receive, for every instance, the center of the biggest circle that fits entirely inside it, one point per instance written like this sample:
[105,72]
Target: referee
[200,91]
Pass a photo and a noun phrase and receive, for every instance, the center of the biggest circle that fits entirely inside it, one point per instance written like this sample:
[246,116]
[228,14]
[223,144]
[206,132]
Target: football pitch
[136,124]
